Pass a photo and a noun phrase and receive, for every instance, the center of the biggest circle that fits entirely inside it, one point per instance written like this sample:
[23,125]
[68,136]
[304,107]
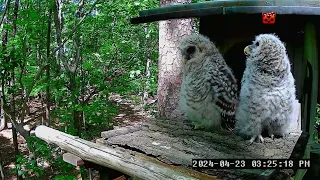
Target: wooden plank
[178,145]
[175,142]
[182,169]
[120,131]
[72,159]
[109,157]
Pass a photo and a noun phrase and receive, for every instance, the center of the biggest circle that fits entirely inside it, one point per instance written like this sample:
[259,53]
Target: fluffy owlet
[208,93]
[268,92]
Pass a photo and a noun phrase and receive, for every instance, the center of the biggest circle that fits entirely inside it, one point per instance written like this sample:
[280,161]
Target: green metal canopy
[224,7]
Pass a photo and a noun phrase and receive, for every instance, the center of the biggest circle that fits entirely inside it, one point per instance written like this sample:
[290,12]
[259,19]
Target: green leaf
[87,65]
[20,172]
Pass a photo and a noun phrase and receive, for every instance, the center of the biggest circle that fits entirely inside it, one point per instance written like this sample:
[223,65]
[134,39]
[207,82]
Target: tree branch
[95,90]
[4,12]
[24,107]
[75,27]
[18,126]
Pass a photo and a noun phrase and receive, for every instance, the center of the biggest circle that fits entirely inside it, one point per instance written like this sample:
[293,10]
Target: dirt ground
[129,113]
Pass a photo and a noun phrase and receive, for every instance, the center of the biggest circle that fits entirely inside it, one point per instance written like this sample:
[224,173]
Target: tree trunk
[13,106]
[48,69]
[77,115]
[1,167]
[4,106]
[3,124]
[58,20]
[170,34]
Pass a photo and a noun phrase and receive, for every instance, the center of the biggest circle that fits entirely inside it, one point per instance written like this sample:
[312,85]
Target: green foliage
[32,167]
[112,56]
[66,177]
[317,124]
[318,115]
[28,167]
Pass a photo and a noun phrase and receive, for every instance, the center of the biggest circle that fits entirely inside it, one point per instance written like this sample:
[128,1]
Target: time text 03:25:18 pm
[251,163]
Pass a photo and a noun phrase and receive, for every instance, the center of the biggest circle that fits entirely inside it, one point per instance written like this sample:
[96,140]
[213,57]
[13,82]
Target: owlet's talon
[252,139]
[272,136]
[261,139]
[196,126]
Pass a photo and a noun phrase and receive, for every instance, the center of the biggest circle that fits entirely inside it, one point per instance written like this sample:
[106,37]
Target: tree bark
[13,106]
[3,123]
[58,20]
[1,167]
[77,115]
[47,116]
[4,106]
[12,81]
[170,34]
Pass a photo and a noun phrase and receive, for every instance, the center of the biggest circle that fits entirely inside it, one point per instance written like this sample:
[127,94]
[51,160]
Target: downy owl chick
[208,93]
[267,93]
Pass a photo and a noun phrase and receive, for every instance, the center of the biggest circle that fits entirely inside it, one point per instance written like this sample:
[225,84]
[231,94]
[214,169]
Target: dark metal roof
[297,7]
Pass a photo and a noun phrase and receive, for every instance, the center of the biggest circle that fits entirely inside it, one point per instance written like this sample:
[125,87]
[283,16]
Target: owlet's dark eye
[191,50]
[257,43]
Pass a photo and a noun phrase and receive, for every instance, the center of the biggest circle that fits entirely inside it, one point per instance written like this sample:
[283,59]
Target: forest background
[77,66]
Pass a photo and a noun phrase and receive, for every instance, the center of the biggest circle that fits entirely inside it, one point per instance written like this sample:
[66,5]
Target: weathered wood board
[133,164]
[176,143]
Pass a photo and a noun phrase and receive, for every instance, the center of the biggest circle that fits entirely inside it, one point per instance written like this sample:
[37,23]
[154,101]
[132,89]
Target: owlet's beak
[246,50]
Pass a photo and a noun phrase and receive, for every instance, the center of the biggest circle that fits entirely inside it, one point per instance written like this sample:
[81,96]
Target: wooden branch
[95,90]
[109,157]
[35,80]
[25,100]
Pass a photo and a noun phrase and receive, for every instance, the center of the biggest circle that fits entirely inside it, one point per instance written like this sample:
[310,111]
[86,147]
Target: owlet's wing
[224,86]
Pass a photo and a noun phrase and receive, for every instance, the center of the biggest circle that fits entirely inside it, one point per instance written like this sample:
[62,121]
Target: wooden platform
[176,143]
[163,149]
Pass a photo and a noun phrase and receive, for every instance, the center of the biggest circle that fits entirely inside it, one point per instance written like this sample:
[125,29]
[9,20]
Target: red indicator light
[268,18]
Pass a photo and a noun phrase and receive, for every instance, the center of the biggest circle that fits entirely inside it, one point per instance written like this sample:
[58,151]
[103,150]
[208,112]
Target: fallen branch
[19,127]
